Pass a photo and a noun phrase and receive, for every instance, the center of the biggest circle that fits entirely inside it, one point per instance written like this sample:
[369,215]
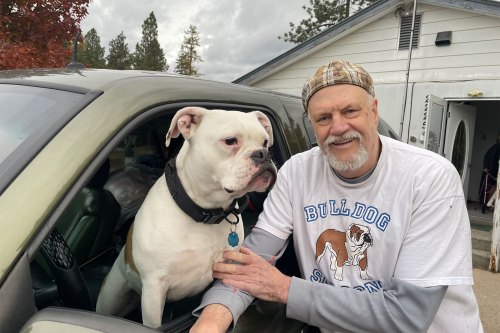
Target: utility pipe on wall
[410,49]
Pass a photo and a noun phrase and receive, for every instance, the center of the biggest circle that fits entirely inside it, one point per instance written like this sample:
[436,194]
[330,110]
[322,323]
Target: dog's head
[231,146]
[359,235]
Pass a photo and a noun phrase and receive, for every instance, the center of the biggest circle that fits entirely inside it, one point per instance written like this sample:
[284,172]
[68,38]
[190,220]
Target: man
[380,228]
[489,176]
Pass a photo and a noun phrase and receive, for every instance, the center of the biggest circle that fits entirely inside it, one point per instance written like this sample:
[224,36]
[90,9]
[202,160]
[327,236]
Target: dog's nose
[259,156]
[367,238]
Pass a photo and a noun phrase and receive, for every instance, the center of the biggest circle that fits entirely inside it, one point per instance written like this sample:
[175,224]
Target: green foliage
[148,54]
[322,14]
[119,56]
[188,55]
[90,51]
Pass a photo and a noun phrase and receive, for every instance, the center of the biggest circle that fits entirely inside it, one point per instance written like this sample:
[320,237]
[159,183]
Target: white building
[450,75]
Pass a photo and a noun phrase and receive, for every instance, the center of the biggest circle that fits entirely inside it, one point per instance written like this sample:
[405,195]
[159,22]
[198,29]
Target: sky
[236,36]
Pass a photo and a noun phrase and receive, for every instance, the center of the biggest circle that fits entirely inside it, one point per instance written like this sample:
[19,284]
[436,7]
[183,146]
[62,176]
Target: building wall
[473,57]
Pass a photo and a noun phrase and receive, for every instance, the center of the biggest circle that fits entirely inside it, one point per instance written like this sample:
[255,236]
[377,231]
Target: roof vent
[405,31]
[443,38]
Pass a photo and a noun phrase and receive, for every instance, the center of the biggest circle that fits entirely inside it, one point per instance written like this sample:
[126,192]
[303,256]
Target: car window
[29,116]
[26,111]
[309,130]
[95,223]
[145,145]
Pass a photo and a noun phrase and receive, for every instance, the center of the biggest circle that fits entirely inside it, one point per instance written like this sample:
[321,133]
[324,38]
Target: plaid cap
[337,72]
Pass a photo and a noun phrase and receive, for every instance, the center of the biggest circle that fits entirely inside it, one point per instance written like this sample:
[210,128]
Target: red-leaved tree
[38,33]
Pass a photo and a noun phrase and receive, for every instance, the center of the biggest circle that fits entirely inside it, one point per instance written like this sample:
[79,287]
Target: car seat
[82,233]
[88,222]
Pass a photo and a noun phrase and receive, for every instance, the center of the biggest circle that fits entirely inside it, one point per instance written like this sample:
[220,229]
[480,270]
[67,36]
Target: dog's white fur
[167,255]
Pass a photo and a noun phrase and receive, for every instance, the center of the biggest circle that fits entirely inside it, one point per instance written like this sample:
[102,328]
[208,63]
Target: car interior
[72,262]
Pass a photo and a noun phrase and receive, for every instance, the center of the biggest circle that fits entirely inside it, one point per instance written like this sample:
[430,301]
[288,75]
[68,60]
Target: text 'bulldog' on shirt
[360,211]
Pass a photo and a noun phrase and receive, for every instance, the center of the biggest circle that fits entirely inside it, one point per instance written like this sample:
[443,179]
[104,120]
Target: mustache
[351,135]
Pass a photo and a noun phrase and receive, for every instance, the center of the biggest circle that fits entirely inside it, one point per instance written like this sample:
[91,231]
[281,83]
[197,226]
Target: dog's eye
[231,141]
[266,143]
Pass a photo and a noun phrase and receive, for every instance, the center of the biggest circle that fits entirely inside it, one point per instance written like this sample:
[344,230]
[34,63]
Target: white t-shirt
[407,220]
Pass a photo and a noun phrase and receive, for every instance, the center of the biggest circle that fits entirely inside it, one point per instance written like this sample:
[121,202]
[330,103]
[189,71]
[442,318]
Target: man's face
[345,119]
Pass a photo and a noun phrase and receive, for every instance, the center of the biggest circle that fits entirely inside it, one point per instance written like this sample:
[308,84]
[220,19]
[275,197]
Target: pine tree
[119,56]
[90,52]
[323,14]
[148,54]
[188,55]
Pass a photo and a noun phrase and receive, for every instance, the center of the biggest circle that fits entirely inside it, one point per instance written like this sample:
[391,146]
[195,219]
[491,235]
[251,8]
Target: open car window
[95,223]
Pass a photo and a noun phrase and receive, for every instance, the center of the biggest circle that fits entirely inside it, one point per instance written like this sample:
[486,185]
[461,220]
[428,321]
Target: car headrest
[100,177]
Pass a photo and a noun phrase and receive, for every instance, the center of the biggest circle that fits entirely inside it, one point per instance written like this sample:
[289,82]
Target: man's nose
[339,125]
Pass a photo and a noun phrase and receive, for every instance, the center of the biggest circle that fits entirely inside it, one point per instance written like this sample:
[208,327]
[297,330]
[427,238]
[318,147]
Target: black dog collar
[197,213]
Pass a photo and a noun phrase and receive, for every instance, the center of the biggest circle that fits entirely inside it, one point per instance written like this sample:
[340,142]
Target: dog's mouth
[266,175]
[262,180]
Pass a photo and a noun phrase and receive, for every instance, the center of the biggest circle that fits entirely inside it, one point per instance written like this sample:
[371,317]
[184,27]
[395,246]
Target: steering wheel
[67,275]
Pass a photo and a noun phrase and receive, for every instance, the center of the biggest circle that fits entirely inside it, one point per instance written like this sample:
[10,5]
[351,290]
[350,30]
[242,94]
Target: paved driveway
[487,290]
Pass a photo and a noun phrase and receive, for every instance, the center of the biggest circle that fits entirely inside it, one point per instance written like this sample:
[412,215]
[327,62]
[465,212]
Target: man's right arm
[215,318]
[221,302]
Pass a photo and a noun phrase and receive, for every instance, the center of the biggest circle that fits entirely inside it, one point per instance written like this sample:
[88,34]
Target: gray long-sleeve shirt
[399,307]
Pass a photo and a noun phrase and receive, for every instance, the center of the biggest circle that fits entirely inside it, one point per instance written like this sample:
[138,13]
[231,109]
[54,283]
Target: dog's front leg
[363,264]
[152,302]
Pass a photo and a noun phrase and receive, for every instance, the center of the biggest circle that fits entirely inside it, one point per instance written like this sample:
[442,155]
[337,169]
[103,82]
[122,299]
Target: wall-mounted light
[401,11]
[443,38]
[475,93]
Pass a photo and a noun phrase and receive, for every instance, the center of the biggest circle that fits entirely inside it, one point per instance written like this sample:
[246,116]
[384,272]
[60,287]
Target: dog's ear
[266,124]
[355,231]
[185,122]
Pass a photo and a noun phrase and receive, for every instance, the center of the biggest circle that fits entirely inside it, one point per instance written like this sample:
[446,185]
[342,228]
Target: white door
[459,137]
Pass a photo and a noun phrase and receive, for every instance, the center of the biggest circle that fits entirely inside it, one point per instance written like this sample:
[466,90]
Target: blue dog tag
[233,239]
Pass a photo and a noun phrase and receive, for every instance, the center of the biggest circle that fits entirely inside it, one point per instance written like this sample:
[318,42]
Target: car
[79,149]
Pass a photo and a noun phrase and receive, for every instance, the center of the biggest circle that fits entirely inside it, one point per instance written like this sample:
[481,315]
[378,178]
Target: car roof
[88,79]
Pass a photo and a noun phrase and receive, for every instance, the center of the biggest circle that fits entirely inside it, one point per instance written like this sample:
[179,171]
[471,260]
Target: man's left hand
[251,273]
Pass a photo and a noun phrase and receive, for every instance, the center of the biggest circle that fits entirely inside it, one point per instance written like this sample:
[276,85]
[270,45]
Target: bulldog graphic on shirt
[346,248]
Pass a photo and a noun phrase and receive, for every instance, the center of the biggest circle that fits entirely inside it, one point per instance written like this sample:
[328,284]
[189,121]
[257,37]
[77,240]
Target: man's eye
[351,112]
[322,120]
[231,141]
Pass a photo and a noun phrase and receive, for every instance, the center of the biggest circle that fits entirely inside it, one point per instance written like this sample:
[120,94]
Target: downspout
[408,70]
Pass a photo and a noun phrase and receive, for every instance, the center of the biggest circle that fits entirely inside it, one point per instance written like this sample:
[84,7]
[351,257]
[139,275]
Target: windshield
[29,117]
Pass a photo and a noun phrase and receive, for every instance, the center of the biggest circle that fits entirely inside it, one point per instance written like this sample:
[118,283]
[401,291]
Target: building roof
[356,21]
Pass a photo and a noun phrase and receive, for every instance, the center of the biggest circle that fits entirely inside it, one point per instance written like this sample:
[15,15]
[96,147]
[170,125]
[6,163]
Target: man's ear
[185,122]
[262,118]
[375,109]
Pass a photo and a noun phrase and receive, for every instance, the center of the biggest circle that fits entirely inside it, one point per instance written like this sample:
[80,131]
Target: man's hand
[215,318]
[254,275]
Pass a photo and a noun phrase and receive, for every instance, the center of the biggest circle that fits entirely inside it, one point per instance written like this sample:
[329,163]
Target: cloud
[236,36]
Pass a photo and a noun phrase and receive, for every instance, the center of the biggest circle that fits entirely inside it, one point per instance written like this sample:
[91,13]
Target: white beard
[355,162]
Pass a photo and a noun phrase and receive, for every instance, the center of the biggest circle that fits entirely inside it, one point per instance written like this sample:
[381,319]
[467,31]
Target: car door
[140,141]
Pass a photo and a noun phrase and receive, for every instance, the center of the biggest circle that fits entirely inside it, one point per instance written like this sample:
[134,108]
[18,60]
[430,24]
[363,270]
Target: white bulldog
[168,255]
